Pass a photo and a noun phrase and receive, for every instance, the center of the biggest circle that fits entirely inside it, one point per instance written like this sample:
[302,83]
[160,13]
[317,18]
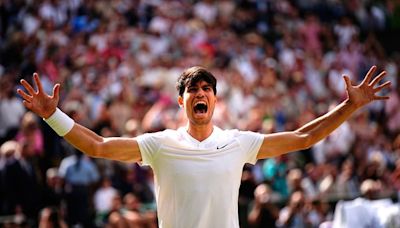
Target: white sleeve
[250,143]
[149,144]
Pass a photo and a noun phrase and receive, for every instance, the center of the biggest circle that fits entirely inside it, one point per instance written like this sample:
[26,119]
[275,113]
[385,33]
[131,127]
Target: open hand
[367,90]
[39,101]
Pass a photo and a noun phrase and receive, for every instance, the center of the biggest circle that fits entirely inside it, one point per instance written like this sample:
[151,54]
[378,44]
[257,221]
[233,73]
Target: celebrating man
[198,167]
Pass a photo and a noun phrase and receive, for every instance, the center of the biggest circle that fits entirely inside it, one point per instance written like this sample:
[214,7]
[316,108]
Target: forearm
[326,124]
[254,215]
[114,148]
[289,217]
[78,136]
[84,140]
[92,144]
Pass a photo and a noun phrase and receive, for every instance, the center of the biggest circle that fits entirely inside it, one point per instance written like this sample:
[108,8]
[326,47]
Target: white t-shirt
[197,183]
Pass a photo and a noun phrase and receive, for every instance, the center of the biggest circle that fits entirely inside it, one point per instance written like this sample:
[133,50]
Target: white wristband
[60,122]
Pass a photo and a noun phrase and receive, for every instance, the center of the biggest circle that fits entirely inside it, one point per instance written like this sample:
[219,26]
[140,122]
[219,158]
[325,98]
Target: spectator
[264,212]
[393,113]
[51,217]
[20,174]
[79,174]
[246,194]
[30,132]
[275,170]
[294,214]
[136,214]
[53,190]
[346,182]
[103,199]
[11,110]
[116,218]
[7,156]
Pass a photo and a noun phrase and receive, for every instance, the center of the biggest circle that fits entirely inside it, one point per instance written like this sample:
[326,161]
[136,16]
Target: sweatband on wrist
[60,122]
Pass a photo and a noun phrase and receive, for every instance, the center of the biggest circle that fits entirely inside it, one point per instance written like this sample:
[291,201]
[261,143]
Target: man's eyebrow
[195,85]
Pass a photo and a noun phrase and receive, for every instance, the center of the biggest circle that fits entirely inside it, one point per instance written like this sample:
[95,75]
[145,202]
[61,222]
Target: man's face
[198,100]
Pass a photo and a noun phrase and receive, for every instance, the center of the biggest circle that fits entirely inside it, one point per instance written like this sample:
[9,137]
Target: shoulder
[160,136]
[227,132]
[164,133]
[235,133]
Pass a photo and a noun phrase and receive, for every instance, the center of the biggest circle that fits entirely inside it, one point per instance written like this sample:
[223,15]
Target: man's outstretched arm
[45,106]
[312,132]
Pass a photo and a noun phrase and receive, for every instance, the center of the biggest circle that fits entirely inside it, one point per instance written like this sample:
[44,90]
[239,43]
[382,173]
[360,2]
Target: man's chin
[201,119]
[200,116]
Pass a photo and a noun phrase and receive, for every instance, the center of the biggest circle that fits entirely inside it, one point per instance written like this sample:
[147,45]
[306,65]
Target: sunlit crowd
[279,64]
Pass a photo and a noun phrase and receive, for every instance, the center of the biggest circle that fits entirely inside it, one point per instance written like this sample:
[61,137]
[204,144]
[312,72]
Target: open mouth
[200,107]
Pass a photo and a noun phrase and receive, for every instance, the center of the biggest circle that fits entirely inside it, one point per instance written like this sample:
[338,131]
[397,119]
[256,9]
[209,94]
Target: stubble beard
[203,121]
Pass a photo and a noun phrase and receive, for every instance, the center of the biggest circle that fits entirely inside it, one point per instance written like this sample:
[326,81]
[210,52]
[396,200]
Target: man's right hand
[39,101]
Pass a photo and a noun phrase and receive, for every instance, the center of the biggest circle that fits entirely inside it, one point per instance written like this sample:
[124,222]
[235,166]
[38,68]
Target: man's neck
[200,132]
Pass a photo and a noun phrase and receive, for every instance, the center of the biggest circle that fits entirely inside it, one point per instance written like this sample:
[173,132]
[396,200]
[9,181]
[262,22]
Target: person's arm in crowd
[312,132]
[262,200]
[94,145]
[255,214]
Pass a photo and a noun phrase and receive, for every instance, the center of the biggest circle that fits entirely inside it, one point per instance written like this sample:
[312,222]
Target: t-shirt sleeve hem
[145,161]
[253,158]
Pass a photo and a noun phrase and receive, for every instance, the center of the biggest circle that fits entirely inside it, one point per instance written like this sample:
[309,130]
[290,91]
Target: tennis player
[198,167]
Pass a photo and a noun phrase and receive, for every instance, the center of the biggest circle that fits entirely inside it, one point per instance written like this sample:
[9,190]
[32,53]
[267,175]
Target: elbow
[306,140]
[97,148]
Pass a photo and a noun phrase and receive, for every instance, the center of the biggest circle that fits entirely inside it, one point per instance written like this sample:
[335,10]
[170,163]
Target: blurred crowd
[279,64]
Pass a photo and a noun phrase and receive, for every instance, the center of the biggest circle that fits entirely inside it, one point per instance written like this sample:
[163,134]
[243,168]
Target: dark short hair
[193,75]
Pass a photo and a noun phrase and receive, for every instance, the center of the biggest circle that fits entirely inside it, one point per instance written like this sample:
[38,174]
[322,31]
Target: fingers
[27,86]
[380,87]
[377,78]
[24,95]
[381,97]
[56,92]
[347,81]
[27,104]
[369,75]
[37,82]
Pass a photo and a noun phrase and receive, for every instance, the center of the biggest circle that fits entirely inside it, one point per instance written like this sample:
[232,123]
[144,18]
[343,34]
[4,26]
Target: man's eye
[191,89]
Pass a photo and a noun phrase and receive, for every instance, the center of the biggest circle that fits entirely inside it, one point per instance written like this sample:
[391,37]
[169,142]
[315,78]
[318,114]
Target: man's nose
[200,93]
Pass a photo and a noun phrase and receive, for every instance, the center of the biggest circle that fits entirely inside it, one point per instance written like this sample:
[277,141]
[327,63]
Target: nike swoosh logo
[218,148]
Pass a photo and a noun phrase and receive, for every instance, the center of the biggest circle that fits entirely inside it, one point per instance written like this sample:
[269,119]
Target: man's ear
[180,101]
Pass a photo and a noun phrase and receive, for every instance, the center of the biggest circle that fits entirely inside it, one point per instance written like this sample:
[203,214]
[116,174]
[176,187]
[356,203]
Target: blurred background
[279,65]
